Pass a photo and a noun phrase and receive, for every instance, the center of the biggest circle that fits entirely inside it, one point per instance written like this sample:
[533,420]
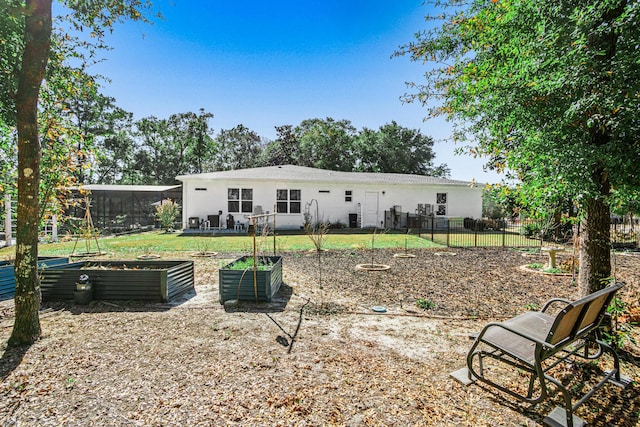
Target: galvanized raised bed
[239,285]
[8,278]
[152,281]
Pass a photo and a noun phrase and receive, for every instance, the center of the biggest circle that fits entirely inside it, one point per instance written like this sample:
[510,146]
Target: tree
[11,31]
[239,148]
[396,149]
[284,150]
[549,90]
[34,55]
[204,148]
[95,119]
[155,158]
[160,150]
[11,37]
[335,145]
[166,148]
[73,115]
[115,149]
[7,157]
[82,107]
[326,144]
[190,138]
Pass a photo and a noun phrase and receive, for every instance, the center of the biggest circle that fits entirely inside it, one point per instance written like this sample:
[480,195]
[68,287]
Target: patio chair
[536,342]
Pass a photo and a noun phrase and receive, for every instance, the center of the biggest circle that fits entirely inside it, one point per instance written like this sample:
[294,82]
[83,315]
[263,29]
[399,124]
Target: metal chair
[535,342]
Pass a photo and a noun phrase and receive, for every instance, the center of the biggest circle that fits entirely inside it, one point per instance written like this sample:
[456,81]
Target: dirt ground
[317,355]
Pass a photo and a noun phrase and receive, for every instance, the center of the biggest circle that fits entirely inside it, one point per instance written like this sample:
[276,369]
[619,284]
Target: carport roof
[135,188]
[302,173]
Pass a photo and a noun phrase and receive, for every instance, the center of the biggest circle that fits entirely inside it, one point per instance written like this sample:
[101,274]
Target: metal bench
[536,342]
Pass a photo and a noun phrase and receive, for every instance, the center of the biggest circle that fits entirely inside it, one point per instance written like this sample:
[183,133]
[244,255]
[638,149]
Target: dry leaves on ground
[190,362]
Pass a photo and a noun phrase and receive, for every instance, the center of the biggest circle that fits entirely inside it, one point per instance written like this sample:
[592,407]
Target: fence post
[7,220]
[432,228]
[475,232]
[613,233]
[504,231]
[54,228]
[448,228]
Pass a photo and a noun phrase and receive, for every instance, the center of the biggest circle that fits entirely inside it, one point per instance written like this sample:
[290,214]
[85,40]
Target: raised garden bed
[152,281]
[8,279]
[238,284]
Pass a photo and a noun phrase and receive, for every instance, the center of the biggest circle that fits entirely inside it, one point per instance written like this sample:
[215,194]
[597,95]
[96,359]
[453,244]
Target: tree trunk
[595,242]
[37,37]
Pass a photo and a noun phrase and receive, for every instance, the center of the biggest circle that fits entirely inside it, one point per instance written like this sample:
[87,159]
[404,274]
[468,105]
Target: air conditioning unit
[425,209]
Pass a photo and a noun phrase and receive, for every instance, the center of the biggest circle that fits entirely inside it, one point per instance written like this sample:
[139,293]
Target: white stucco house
[355,199]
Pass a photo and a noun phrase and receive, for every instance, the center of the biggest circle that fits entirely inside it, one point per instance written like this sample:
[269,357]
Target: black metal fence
[625,234]
[469,232]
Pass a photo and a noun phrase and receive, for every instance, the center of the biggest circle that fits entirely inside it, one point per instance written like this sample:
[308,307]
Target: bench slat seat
[533,324]
[535,342]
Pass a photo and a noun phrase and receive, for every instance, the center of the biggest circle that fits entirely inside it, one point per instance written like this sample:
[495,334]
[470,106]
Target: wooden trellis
[87,232]
[254,222]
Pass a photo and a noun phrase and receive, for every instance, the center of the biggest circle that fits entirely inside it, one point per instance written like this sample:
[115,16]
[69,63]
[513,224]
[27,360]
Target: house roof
[302,174]
[137,188]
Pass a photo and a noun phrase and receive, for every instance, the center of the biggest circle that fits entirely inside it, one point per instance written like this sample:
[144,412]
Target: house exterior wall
[202,197]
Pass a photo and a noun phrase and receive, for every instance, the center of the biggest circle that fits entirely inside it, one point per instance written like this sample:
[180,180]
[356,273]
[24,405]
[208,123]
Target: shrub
[468,223]
[532,230]
[425,304]
[541,230]
[167,213]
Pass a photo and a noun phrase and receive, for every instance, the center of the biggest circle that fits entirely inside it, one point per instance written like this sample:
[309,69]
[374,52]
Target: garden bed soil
[316,355]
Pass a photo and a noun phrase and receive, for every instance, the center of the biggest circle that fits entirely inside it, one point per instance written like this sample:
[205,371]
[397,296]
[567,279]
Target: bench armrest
[552,301]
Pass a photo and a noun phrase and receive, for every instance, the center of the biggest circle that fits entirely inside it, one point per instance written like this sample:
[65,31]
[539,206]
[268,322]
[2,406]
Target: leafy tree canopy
[335,144]
[326,144]
[239,148]
[396,149]
[11,42]
[548,89]
[284,149]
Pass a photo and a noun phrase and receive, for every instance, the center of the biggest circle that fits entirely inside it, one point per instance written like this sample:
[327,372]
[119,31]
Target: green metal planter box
[238,284]
[8,279]
[151,281]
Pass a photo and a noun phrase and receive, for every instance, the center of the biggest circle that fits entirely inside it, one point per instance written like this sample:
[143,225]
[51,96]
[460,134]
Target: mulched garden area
[317,355]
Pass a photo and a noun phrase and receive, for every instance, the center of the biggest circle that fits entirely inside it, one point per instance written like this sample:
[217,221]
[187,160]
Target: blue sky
[270,63]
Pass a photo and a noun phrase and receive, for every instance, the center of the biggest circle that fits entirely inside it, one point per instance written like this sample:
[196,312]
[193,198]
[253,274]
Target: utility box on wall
[194,222]
[425,209]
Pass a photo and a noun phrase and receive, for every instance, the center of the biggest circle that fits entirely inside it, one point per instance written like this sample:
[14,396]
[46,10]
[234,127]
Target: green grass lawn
[156,242]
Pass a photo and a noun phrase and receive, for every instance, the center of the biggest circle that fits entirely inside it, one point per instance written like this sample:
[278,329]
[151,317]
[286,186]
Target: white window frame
[284,205]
